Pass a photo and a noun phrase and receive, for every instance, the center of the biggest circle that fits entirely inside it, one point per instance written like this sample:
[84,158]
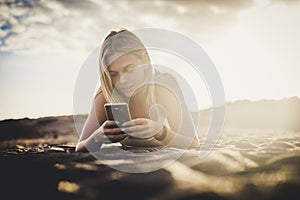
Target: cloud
[285,1]
[62,26]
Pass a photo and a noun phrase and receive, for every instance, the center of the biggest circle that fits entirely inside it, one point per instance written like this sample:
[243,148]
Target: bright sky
[254,44]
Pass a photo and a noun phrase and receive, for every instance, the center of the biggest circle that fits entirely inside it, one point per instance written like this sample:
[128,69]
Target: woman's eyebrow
[129,65]
[108,69]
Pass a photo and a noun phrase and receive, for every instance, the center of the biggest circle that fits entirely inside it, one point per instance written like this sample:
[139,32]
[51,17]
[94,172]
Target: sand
[38,161]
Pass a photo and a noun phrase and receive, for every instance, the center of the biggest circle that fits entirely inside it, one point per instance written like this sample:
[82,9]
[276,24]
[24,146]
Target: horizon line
[202,109]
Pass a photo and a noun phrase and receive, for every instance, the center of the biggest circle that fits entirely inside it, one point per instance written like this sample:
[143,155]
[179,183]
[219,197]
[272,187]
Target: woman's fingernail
[123,129]
[117,122]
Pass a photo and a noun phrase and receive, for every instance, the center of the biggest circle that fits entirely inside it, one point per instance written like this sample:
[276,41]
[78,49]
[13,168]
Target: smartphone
[117,112]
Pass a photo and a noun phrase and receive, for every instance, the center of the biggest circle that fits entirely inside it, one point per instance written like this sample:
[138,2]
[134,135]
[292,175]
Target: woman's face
[127,73]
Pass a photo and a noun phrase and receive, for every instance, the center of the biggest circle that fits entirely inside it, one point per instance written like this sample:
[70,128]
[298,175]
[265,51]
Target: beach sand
[38,161]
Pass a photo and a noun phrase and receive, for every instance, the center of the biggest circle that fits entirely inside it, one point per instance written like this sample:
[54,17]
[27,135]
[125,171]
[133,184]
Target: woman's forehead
[116,62]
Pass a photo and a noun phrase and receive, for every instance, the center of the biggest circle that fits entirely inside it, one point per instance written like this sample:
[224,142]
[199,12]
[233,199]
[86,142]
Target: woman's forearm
[80,147]
[88,144]
[177,140]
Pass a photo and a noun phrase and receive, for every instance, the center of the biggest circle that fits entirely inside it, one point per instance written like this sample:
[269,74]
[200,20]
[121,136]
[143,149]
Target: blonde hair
[116,44]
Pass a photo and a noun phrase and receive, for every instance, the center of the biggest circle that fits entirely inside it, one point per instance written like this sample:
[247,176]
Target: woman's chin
[127,92]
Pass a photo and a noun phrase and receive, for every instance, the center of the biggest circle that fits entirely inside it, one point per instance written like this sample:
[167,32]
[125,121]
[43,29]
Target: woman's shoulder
[99,91]
[99,102]
[99,97]
[164,77]
[166,83]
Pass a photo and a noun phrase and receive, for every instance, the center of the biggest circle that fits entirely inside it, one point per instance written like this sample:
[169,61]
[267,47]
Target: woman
[158,110]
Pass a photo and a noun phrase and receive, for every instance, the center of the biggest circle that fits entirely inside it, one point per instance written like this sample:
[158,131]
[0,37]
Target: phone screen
[117,112]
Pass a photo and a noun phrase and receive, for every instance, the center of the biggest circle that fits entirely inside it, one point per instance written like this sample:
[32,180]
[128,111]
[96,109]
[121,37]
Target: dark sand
[38,161]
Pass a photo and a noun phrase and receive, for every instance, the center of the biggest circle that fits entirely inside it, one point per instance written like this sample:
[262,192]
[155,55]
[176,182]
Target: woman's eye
[131,68]
[113,74]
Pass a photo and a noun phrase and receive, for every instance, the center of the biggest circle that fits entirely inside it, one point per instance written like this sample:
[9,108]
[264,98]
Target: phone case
[117,112]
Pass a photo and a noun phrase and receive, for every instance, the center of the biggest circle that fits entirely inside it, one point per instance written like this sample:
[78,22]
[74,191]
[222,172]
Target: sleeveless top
[128,142]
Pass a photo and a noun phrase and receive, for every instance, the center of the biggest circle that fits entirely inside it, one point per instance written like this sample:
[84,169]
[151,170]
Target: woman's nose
[123,78]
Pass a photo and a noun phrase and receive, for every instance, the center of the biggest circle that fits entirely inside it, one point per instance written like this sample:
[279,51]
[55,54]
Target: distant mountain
[281,114]
[56,126]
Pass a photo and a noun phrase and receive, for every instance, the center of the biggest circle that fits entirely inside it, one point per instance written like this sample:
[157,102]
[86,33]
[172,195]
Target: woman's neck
[138,106]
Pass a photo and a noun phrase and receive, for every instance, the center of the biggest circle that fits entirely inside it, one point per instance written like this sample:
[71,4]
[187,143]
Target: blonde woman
[159,114]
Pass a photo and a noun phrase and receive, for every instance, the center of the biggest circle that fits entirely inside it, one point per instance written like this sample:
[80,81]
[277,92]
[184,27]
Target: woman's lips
[127,89]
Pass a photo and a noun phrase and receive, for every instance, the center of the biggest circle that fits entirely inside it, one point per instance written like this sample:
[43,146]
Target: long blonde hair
[116,44]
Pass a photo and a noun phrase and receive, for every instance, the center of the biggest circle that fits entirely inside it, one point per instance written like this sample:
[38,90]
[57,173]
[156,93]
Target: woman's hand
[109,129]
[142,128]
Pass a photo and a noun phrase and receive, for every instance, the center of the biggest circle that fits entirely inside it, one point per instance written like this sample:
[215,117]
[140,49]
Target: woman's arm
[96,126]
[181,129]
[91,124]
[89,142]
[174,139]
[146,128]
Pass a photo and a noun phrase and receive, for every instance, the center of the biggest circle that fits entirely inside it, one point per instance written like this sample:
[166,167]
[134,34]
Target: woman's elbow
[80,147]
[195,144]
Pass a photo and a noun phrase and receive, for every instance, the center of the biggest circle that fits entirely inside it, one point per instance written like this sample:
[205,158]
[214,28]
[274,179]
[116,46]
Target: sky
[254,45]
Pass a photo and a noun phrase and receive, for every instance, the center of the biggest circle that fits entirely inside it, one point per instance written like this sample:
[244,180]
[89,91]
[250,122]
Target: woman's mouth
[127,89]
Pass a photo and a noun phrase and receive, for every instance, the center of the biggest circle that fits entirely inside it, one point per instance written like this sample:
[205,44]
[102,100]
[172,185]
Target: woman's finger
[137,128]
[111,131]
[141,134]
[110,123]
[134,122]
[116,138]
